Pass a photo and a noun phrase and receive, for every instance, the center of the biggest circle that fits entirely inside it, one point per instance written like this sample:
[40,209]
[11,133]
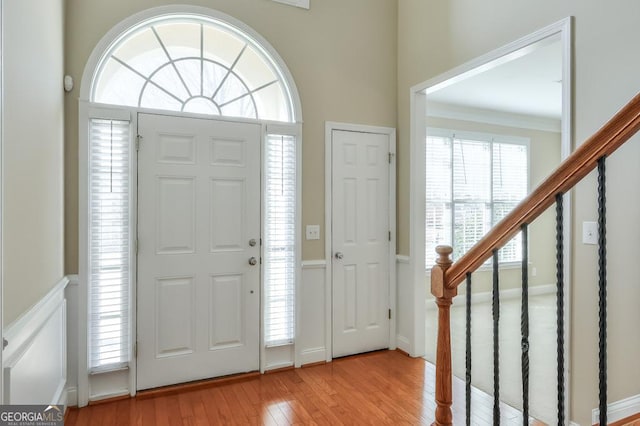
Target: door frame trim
[390,132]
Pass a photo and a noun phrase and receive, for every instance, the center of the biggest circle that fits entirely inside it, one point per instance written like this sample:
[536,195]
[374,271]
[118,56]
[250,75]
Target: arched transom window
[193,64]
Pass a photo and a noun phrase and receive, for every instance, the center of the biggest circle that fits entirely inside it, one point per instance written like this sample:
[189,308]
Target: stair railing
[447,276]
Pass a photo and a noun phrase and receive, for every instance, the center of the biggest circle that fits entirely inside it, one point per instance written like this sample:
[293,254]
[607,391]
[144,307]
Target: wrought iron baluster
[468,353]
[560,304]
[496,343]
[602,289]
[524,325]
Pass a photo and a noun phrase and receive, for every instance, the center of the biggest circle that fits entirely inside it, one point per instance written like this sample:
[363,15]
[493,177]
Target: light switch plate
[589,233]
[313,232]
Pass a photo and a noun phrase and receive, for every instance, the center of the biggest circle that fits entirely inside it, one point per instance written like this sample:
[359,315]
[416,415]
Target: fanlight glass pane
[170,63]
[142,52]
[230,90]
[220,45]
[253,69]
[271,103]
[191,72]
[119,85]
[182,40]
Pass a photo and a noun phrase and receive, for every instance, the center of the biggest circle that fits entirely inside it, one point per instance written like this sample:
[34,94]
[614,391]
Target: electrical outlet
[589,233]
[313,232]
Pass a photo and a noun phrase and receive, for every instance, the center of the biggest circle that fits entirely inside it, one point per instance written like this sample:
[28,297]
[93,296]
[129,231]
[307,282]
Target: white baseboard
[486,297]
[403,259]
[618,410]
[403,344]
[35,360]
[574,424]
[313,355]
[71,397]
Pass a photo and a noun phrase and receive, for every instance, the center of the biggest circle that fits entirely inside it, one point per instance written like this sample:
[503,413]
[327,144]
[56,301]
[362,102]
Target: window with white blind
[280,240]
[472,182]
[109,248]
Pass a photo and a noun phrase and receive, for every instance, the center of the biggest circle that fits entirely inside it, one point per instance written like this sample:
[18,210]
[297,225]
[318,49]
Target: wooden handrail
[581,162]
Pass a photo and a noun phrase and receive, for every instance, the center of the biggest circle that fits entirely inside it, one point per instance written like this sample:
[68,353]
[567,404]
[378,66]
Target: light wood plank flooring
[385,387]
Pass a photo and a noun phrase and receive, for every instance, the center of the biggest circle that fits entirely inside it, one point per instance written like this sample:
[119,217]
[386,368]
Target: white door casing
[198,208]
[360,241]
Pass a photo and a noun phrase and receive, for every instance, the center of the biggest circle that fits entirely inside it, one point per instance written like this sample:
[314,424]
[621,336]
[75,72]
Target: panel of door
[360,242]
[198,268]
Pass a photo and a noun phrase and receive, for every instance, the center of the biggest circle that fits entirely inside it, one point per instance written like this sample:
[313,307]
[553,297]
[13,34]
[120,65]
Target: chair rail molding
[29,376]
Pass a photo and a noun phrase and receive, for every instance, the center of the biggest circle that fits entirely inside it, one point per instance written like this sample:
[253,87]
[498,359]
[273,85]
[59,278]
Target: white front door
[360,241]
[198,210]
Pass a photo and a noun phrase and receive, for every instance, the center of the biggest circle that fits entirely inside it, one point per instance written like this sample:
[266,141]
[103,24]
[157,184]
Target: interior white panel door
[360,242]
[198,208]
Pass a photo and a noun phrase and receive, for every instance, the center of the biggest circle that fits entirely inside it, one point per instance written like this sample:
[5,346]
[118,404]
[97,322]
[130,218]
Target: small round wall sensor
[68,83]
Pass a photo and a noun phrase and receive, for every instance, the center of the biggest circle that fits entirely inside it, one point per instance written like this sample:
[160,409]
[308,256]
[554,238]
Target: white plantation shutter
[280,240]
[471,193]
[472,182]
[438,199]
[109,251]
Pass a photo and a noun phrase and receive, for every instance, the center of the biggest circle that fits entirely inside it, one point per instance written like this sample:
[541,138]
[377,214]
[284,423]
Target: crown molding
[500,118]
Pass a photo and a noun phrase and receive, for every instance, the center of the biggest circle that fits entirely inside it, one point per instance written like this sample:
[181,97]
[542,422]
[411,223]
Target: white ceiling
[527,85]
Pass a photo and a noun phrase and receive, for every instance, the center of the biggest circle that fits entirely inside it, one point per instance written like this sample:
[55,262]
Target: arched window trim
[157,15]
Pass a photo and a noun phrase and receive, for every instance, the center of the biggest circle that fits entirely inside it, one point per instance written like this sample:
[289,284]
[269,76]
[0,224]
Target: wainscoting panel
[404,289]
[313,322]
[35,363]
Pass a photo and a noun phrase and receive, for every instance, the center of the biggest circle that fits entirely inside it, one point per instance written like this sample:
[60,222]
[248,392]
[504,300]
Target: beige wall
[33,146]
[544,151]
[435,36]
[342,56]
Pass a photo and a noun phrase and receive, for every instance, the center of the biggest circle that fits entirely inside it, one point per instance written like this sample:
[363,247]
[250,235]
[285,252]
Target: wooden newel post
[444,297]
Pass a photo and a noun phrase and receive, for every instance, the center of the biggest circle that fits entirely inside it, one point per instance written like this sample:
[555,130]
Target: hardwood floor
[385,387]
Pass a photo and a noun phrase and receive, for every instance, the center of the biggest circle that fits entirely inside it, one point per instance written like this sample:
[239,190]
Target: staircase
[446,276]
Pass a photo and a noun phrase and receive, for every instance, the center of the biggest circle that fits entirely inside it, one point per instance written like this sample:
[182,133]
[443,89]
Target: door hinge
[391,154]
[135,350]
[389,235]
[137,245]
[138,139]
[389,313]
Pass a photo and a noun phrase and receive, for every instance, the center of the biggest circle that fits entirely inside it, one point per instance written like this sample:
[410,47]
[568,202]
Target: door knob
[252,242]
[339,255]
[253,261]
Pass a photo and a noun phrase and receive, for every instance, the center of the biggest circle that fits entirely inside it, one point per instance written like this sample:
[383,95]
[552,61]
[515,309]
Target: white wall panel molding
[404,304]
[314,325]
[71,295]
[313,355]
[22,331]
[31,377]
[279,357]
